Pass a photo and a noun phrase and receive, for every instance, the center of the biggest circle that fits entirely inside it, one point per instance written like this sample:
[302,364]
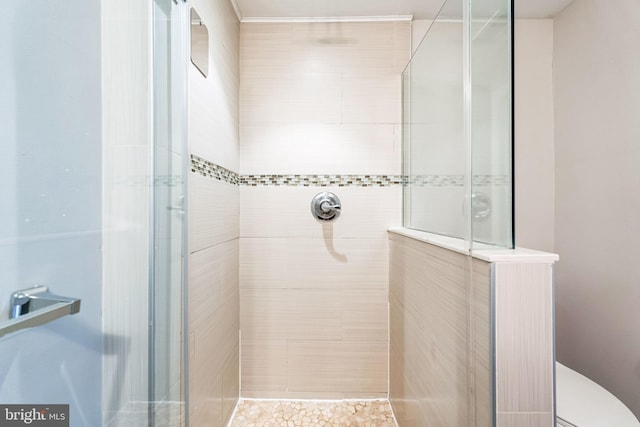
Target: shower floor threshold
[312,413]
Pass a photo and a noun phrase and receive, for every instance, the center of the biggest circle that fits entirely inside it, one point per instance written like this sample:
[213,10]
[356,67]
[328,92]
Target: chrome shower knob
[325,206]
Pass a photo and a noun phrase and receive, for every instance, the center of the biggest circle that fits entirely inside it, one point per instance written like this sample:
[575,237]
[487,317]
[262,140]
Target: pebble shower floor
[296,413]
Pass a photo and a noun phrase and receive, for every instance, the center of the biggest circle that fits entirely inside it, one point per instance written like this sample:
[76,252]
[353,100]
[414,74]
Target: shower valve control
[325,206]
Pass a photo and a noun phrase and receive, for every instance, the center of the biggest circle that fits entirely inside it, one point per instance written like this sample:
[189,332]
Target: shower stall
[92,119]
[116,312]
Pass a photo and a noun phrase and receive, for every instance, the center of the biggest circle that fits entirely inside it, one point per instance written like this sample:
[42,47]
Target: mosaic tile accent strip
[491,180]
[435,180]
[456,180]
[286,413]
[211,170]
[321,180]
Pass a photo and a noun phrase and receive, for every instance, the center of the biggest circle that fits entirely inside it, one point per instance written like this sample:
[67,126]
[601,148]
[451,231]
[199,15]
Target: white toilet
[584,403]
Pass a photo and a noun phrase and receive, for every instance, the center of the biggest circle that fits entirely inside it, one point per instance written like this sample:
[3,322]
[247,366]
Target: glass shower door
[51,197]
[92,197]
[167,371]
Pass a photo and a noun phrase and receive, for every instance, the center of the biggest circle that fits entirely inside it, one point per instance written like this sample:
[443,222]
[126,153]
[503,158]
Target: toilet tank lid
[585,403]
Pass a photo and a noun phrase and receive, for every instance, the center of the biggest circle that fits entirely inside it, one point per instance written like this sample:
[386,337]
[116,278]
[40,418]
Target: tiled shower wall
[440,336]
[318,100]
[213,223]
[445,360]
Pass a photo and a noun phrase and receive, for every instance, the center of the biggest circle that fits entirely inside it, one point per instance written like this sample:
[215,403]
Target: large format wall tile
[330,314]
[464,330]
[286,212]
[429,303]
[214,101]
[214,312]
[313,263]
[351,367]
[321,148]
[318,99]
[524,337]
[321,98]
[213,212]
[516,419]
[264,366]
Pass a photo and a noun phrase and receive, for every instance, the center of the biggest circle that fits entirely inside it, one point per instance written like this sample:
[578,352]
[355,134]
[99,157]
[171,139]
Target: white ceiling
[420,9]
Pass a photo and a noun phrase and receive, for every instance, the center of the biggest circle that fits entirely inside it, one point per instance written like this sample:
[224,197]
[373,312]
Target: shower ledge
[489,254]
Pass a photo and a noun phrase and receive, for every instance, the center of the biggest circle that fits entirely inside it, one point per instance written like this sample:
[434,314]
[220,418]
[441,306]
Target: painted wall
[534,138]
[214,222]
[320,107]
[51,221]
[597,105]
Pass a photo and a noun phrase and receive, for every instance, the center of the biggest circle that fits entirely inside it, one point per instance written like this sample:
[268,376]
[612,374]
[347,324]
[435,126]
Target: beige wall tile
[321,148]
[482,342]
[214,223]
[313,79]
[264,366]
[440,303]
[213,212]
[215,340]
[304,99]
[304,48]
[230,384]
[432,368]
[285,212]
[365,315]
[372,99]
[274,320]
[291,314]
[214,101]
[338,263]
[524,337]
[318,99]
[337,367]
[214,325]
[506,419]
[205,285]
[205,400]
[263,263]
[314,263]
[230,268]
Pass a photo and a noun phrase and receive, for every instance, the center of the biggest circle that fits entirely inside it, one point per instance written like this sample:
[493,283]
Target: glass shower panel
[51,216]
[434,145]
[166,365]
[491,123]
[77,187]
[457,126]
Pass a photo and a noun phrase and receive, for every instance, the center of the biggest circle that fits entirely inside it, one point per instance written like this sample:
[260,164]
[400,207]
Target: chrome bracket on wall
[325,206]
[37,306]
